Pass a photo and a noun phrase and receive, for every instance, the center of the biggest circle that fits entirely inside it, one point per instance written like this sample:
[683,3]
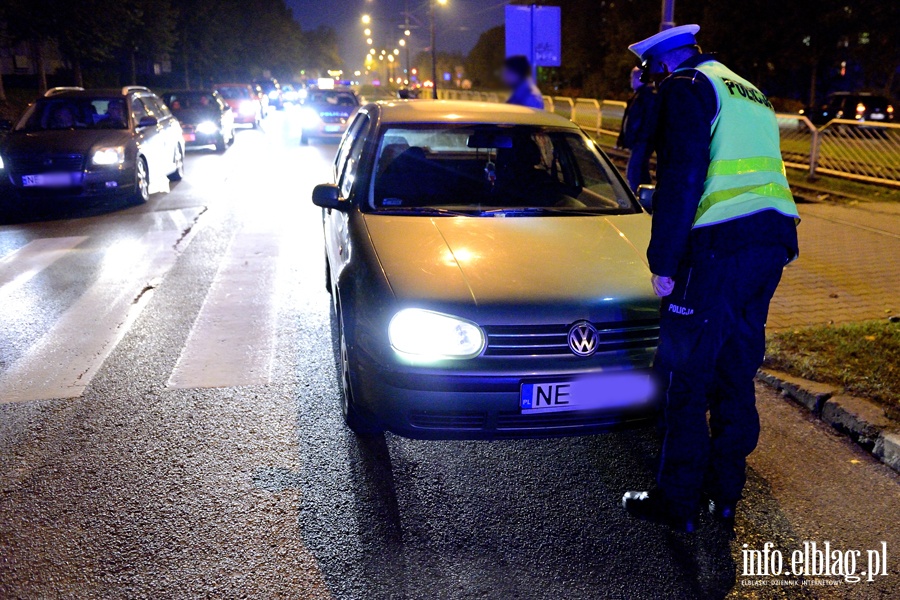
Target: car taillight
[860,110]
[890,109]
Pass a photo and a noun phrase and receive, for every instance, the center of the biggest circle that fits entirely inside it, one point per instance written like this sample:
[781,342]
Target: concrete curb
[862,420]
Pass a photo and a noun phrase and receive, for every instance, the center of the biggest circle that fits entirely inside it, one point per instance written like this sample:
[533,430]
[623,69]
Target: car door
[227,118]
[347,164]
[147,140]
[168,129]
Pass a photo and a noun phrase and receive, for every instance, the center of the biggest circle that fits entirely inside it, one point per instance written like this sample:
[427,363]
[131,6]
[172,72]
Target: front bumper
[195,139]
[95,183]
[326,130]
[429,404]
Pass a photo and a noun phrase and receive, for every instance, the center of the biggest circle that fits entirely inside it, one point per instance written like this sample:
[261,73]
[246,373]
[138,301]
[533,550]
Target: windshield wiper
[427,210]
[539,210]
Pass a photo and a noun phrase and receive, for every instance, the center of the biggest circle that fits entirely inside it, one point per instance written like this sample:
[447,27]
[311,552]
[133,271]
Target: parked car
[859,106]
[488,272]
[205,118]
[244,101]
[326,113]
[82,143]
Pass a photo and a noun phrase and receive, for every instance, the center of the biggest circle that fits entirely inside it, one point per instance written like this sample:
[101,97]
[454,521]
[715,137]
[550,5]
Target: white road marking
[65,359]
[233,338]
[18,267]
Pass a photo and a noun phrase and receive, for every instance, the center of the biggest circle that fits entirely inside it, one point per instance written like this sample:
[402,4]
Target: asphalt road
[169,428]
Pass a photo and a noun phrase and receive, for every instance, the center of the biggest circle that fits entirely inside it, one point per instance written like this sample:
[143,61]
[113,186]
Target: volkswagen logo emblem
[583,339]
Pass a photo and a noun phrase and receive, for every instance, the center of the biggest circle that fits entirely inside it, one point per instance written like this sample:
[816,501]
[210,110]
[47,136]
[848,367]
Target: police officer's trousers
[712,341]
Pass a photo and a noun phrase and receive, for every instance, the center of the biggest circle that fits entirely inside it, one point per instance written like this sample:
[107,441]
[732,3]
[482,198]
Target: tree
[92,30]
[486,58]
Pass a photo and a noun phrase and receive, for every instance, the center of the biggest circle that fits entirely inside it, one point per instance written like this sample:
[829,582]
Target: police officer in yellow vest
[724,227]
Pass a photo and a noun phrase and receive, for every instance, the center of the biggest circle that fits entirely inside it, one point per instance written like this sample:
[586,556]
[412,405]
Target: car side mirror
[328,195]
[5,125]
[148,122]
[645,196]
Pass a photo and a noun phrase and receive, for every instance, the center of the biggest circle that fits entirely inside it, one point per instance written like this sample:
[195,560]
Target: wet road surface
[169,428]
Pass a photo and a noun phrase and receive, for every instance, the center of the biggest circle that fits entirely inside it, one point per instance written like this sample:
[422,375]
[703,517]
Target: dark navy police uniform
[638,132]
[712,335]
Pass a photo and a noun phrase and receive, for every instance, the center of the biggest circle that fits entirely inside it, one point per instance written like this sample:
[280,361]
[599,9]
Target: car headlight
[248,108]
[273,94]
[109,156]
[424,334]
[309,117]
[207,127]
[1,163]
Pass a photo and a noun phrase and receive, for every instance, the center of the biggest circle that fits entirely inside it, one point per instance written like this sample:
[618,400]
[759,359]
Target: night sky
[460,22]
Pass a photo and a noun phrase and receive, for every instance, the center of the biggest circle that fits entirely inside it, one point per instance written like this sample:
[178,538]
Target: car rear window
[333,98]
[492,167]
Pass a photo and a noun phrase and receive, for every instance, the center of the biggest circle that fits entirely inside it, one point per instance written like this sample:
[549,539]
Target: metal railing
[861,150]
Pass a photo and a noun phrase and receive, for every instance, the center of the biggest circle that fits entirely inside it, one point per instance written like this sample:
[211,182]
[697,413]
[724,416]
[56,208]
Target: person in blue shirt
[517,76]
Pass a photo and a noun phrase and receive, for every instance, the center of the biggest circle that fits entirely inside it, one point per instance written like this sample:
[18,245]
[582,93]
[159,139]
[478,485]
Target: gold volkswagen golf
[487,266]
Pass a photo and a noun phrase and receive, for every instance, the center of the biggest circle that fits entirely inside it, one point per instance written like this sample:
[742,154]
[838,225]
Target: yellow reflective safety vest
[746,173]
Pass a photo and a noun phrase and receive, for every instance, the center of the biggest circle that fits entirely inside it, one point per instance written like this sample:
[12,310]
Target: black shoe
[723,513]
[649,507]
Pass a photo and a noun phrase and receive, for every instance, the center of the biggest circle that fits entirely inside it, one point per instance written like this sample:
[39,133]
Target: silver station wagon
[487,266]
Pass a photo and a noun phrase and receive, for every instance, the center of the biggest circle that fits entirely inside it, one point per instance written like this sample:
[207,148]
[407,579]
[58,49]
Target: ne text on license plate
[592,392]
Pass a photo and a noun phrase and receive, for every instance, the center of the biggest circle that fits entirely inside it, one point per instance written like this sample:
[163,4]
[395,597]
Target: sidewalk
[848,267]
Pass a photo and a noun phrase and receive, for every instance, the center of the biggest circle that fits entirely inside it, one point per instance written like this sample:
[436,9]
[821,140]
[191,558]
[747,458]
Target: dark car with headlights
[76,143]
[488,272]
[245,101]
[206,120]
[326,113]
[861,107]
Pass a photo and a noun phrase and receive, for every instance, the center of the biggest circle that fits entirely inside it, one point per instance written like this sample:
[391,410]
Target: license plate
[332,128]
[595,392]
[48,180]
[876,116]
[189,137]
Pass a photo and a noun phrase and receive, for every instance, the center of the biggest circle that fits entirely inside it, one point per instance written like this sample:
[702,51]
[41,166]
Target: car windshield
[190,100]
[234,92]
[74,113]
[332,98]
[494,170]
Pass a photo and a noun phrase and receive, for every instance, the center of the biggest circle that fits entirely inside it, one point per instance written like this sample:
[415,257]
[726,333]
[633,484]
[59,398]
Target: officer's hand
[662,286]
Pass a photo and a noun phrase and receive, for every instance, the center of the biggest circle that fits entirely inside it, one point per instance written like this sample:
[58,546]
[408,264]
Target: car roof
[102,92]
[448,111]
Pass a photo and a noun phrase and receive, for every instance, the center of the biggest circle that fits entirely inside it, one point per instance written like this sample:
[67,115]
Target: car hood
[584,262]
[193,116]
[64,142]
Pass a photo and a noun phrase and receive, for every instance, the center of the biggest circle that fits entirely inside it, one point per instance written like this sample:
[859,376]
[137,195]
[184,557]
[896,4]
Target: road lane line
[64,360]
[18,267]
[232,340]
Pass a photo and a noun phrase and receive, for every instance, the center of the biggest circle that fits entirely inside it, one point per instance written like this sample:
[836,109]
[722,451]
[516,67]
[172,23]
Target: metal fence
[864,151]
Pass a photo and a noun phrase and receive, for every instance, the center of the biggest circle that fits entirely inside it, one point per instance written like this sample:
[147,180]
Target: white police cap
[662,42]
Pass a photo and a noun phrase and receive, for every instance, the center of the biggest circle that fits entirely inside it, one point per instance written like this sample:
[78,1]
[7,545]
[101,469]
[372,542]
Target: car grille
[31,165]
[448,420]
[563,420]
[553,340]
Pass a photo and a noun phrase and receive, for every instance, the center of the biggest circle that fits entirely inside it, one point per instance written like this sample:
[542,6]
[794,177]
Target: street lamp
[434,75]
[367,31]
[366,19]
